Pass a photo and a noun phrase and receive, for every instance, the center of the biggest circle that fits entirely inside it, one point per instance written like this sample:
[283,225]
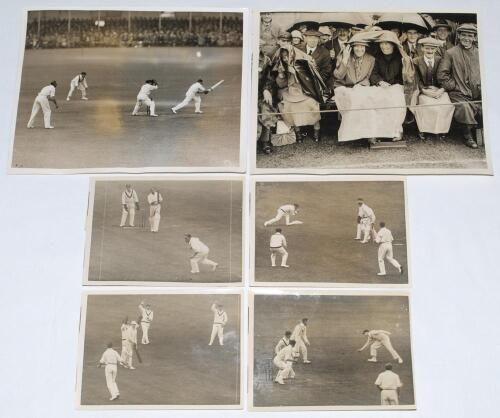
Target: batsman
[194,93]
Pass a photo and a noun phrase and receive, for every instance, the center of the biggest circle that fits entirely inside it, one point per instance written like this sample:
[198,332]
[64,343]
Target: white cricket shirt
[48,91]
[155,198]
[388,380]
[146,90]
[110,356]
[384,235]
[129,198]
[197,246]
[277,240]
[195,89]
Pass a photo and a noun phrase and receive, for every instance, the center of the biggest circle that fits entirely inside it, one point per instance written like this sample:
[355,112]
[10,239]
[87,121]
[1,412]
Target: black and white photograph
[130,91]
[313,350]
[374,92]
[329,231]
[160,350]
[174,229]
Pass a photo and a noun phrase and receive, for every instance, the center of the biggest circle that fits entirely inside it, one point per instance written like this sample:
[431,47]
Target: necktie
[310,52]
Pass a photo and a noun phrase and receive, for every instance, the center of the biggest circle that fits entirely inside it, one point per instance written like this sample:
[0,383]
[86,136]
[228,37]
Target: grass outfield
[323,249]
[210,210]
[102,133]
[179,368]
[338,375]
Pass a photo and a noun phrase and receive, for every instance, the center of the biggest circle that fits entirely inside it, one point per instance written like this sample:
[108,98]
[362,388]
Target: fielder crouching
[284,360]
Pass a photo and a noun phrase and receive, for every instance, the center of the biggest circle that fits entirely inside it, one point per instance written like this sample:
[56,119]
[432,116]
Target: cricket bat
[137,353]
[217,84]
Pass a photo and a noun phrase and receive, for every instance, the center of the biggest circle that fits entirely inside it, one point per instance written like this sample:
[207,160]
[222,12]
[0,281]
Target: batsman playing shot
[220,321]
[147,315]
[286,211]
[130,203]
[110,360]
[144,97]
[46,95]
[299,335]
[154,200]
[384,238]
[193,94]
[376,339]
[79,83]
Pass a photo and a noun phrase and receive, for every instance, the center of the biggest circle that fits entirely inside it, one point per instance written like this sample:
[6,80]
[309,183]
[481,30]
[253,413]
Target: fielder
[200,254]
[220,321]
[147,315]
[130,203]
[384,238]
[80,83]
[143,97]
[284,360]
[46,95]
[277,245]
[389,385]
[284,342]
[110,360]
[377,339]
[154,200]
[126,348]
[301,341]
[366,219]
[193,93]
[286,211]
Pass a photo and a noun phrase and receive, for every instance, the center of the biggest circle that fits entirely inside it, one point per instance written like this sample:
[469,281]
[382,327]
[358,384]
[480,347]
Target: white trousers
[281,251]
[145,332]
[385,252]
[217,330]
[389,397]
[147,101]
[110,372]
[154,217]
[80,87]
[41,102]
[279,215]
[301,348]
[200,258]
[130,212]
[187,100]
[285,370]
[127,353]
[387,344]
[365,228]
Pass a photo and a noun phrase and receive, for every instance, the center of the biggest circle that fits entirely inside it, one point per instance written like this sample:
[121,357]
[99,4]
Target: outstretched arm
[366,345]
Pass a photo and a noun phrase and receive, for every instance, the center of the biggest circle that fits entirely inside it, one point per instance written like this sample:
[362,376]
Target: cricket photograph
[368,93]
[329,231]
[160,350]
[326,350]
[130,91]
[164,230]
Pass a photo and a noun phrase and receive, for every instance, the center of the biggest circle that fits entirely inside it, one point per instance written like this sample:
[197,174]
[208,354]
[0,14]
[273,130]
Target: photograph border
[310,178]
[311,292]
[244,99]
[253,169]
[141,291]
[165,177]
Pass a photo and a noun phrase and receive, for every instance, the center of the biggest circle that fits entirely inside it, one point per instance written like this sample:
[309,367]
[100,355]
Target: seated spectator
[410,45]
[436,113]
[318,53]
[297,38]
[354,66]
[458,73]
[443,34]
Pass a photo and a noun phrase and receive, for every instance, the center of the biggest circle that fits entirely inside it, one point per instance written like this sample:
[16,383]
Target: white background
[455,237]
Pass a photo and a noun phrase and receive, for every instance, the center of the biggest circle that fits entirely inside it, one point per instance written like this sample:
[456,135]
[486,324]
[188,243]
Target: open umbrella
[404,21]
[456,17]
[346,19]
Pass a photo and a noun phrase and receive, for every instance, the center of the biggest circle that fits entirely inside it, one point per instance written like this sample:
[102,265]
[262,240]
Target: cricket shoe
[279,381]
[131,367]
[198,111]
[357,239]
[372,360]
[154,115]
[173,110]
[194,272]
[365,242]
[49,127]
[381,274]
[214,267]
[400,360]
[286,266]
[30,127]
[307,361]
[401,270]
[68,99]
[84,98]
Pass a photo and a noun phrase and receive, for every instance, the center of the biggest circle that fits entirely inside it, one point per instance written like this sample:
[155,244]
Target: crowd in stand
[382,81]
[143,31]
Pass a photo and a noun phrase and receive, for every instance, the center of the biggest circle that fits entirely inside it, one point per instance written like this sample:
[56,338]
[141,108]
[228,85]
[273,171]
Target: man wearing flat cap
[442,30]
[318,52]
[458,73]
[284,39]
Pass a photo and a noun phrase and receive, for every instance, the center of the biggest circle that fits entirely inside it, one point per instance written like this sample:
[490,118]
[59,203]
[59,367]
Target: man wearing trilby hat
[459,74]
[442,30]
[319,53]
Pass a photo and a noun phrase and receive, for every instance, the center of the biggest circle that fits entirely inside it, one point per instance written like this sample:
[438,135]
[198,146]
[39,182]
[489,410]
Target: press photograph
[330,231]
[326,351]
[129,91]
[167,229]
[157,350]
[368,93]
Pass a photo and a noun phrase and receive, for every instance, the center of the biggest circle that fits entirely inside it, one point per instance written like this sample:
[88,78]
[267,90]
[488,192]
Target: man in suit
[319,53]
[458,73]
[410,46]
[443,34]
[343,34]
